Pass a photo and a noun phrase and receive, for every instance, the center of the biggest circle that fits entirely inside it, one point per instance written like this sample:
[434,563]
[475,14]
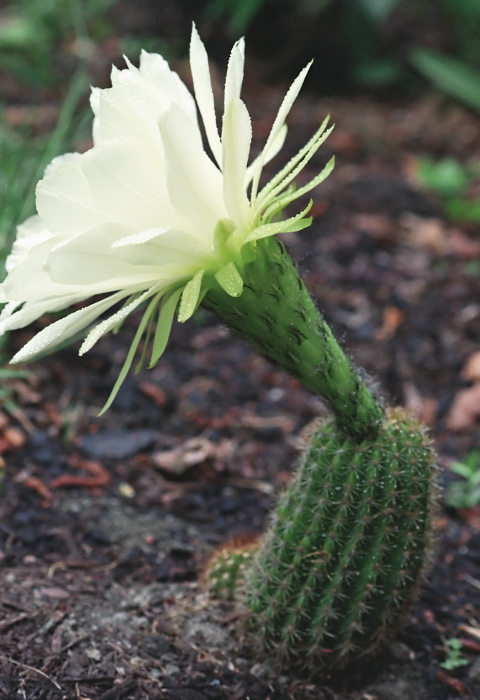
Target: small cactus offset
[345,549]
[225,571]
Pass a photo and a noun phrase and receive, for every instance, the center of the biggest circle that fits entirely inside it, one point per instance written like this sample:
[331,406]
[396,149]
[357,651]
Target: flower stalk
[276,315]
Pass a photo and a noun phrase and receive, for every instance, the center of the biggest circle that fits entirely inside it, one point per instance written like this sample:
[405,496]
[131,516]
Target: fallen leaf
[471,368]
[189,454]
[379,226]
[420,232]
[423,407]
[15,437]
[154,392]
[463,246]
[99,476]
[54,592]
[465,411]
[392,318]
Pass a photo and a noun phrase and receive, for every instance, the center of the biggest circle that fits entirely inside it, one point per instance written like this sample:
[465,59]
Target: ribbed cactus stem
[345,550]
[276,314]
[228,566]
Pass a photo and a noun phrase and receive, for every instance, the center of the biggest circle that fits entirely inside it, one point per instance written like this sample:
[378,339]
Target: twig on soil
[32,668]
[472,581]
[12,604]
[472,631]
[13,620]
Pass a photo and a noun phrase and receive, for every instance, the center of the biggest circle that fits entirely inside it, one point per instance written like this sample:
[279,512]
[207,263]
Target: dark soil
[105,523]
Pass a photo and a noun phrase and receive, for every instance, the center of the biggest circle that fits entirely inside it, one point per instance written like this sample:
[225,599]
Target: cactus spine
[347,543]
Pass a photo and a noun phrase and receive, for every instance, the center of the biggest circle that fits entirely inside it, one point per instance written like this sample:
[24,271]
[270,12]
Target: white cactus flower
[147,217]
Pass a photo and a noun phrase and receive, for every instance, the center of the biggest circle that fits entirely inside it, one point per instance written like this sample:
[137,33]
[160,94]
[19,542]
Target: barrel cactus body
[345,549]
[346,546]
[227,568]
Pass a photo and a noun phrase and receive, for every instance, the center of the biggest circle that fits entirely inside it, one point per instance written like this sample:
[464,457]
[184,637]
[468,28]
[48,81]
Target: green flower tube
[276,314]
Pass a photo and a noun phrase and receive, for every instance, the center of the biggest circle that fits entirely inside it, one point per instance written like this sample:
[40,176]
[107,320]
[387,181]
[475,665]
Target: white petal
[14,317]
[236,139]
[87,259]
[204,93]
[279,122]
[139,238]
[164,246]
[234,78]
[64,198]
[29,234]
[155,69]
[129,185]
[194,183]
[28,281]
[65,328]
[130,109]
[117,115]
[116,181]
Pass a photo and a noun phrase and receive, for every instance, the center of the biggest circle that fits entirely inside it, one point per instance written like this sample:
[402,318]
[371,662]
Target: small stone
[94,654]
[171,670]
[394,688]
[401,652]
[15,437]
[155,645]
[136,662]
[474,671]
[116,444]
[263,670]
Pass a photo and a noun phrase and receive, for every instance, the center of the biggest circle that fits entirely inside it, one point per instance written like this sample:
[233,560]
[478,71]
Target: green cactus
[227,567]
[346,547]
[345,550]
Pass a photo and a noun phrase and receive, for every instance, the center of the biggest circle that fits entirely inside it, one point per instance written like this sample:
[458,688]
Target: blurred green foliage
[362,22]
[463,16]
[372,58]
[358,27]
[465,493]
[238,15]
[452,76]
[456,75]
[31,32]
[452,181]
[453,655]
